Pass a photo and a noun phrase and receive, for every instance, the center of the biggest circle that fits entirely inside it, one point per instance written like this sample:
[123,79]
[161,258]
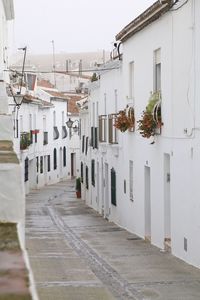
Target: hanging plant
[151,120]
[123,121]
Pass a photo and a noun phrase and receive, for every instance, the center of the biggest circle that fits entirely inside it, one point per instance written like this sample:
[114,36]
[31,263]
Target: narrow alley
[76,254]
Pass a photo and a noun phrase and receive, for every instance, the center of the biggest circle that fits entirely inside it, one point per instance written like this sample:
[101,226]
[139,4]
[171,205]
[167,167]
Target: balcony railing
[64,132]
[25,140]
[45,138]
[55,133]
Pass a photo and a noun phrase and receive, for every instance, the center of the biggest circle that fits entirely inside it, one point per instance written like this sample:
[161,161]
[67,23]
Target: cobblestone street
[75,254]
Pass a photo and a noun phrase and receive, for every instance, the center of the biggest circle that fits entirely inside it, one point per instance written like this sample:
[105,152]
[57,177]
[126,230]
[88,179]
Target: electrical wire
[65,72]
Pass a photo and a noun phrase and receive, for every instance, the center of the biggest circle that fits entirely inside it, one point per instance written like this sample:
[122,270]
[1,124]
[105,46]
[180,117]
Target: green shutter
[93,172]
[113,187]
[86,177]
[81,171]
[96,139]
[83,143]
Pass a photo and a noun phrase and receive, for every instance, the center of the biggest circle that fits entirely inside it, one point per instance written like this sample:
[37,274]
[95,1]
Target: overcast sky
[74,25]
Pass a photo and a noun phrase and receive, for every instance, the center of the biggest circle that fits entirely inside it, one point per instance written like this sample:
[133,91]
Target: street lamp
[72,126]
[18,97]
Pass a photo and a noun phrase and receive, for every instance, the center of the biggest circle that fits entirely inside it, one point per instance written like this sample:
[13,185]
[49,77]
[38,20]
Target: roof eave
[151,14]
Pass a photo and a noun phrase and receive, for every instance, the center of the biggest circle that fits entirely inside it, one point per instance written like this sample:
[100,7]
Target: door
[167,203]
[106,208]
[147,203]
[72,165]
[98,186]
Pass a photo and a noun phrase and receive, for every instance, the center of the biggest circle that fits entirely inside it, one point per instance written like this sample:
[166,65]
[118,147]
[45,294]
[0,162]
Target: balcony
[25,140]
[55,133]
[64,132]
[45,138]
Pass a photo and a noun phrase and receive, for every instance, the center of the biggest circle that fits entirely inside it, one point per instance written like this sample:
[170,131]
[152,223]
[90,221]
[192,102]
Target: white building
[12,198]
[41,136]
[152,189]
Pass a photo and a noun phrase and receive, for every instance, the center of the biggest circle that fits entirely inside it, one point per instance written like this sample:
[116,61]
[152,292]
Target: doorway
[106,208]
[73,168]
[147,203]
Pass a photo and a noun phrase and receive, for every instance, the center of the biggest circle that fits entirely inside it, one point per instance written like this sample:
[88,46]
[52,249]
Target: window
[81,171]
[113,187]
[41,164]
[45,138]
[26,169]
[64,157]
[63,118]
[111,129]
[54,159]
[48,163]
[31,137]
[96,138]
[37,164]
[86,145]
[102,128]
[86,178]
[131,79]
[92,137]
[55,133]
[83,143]
[157,70]
[93,172]
[131,180]
[36,137]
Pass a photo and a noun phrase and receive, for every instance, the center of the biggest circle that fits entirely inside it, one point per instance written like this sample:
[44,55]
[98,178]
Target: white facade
[163,177]
[42,120]
[12,198]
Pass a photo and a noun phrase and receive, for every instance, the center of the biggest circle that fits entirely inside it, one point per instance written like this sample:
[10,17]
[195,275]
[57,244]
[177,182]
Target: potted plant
[123,121]
[25,140]
[78,187]
[151,122]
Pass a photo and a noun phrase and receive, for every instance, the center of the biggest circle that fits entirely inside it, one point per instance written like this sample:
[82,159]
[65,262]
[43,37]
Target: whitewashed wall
[173,209]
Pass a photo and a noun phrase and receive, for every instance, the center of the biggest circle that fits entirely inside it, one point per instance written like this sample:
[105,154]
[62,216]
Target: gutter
[147,17]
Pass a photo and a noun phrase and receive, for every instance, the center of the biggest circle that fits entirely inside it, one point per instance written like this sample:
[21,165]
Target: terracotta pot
[78,194]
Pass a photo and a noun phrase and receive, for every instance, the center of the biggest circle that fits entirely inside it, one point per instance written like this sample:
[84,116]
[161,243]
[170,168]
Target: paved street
[75,254]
